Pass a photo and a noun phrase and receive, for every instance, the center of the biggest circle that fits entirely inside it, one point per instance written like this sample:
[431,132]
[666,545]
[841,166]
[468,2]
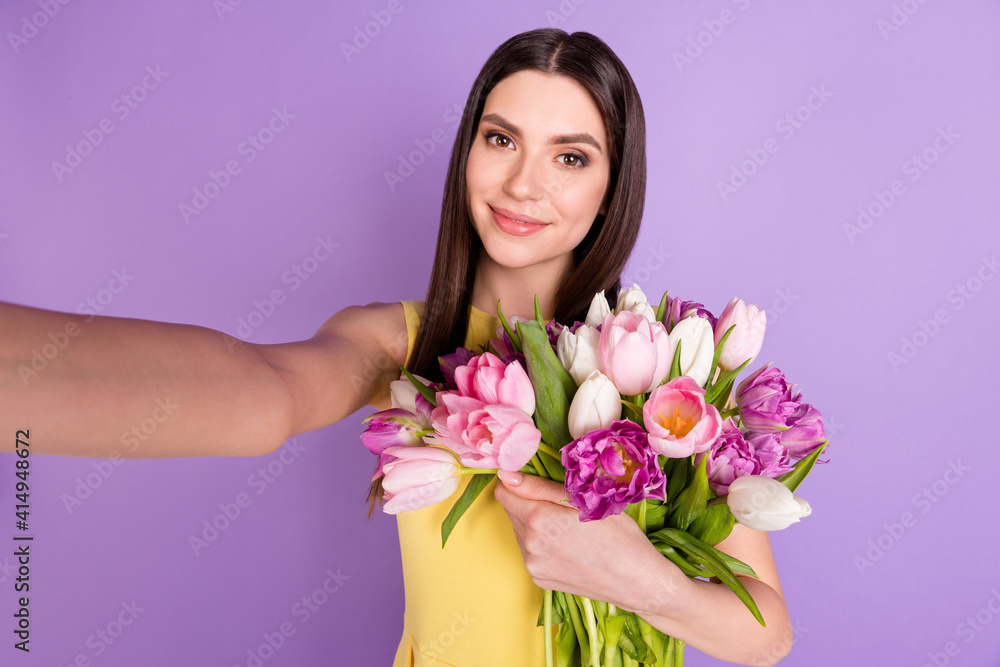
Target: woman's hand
[610,559]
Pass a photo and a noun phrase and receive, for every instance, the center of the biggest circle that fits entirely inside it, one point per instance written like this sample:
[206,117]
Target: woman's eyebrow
[577,138]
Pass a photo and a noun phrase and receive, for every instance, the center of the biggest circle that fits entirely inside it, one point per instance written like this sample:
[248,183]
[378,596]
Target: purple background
[838,305]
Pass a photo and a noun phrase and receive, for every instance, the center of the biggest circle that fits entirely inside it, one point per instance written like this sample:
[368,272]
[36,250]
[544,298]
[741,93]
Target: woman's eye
[574,160]
[498,140]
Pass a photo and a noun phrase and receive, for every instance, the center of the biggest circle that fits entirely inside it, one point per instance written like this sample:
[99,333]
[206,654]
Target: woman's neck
[515,289]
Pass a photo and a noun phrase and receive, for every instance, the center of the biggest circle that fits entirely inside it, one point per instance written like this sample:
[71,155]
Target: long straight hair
[601,256]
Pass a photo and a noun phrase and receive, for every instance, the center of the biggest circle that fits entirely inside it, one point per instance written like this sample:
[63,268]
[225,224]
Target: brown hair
[601,256]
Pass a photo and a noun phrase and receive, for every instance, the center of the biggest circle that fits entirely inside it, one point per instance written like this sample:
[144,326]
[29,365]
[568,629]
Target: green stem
[551,451]
[539,467]
[588,610]
[547,606]
[641,520]
[678,653]
[477,471]
[574,615]
[726,414]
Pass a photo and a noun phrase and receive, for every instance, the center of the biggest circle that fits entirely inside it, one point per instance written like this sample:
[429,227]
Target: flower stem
[539,467]
[477,471]
[732,412]
[641,520]
[588,611]
[547,606]
[551,451]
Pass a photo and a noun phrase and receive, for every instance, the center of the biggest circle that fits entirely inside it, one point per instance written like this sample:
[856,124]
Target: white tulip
[762,503]
[578,351]
[595,405]
[403,394]
[598,309]
[634,300]
[697,347]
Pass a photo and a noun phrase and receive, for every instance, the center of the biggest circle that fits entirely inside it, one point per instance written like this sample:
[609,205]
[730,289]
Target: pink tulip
[484,435]
[486,378]
[746,339]
[418,477]
[634,352]
[678,420]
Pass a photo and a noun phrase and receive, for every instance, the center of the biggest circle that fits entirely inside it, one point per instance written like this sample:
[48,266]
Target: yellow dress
[472,603]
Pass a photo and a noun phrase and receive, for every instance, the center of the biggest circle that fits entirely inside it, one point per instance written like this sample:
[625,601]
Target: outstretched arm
[612,560]
[94,386]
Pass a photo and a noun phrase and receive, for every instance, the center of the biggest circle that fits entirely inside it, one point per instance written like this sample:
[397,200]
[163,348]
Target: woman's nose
[526,180]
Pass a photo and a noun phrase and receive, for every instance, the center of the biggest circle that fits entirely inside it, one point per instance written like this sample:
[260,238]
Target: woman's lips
[515,227]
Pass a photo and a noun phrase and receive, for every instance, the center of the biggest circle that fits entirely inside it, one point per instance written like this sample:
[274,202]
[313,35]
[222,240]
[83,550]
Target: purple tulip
[765,401]
[805,430]
[391,428]
[610,468]
[734,455]
[678,310]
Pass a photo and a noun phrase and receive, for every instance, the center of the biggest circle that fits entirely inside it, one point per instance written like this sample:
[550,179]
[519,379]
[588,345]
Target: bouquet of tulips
[634,410]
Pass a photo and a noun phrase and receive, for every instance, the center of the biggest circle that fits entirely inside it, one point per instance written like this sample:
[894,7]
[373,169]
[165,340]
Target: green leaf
[718,353]
[553,466]
[713,525]
[553,385]
[661,310]
[678,472]
[424,390]
[631,639]
[718,393]
[675,365]
[472,491]
[677,559]
[707,555]
[800,470]
[515,340]
[656,515]
[557,616]
[692,500]
[538,314]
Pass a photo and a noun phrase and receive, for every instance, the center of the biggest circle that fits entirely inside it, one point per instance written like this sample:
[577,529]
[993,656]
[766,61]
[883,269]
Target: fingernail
[509,478]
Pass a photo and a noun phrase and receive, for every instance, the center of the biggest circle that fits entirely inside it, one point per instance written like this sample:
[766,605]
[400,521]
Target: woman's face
[538,170]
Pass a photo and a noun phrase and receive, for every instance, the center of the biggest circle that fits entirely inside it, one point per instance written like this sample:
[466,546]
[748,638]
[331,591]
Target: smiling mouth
[517,217]
[514,226]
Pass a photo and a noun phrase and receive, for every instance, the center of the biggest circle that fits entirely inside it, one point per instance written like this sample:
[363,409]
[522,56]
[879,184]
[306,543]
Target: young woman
[544,196]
